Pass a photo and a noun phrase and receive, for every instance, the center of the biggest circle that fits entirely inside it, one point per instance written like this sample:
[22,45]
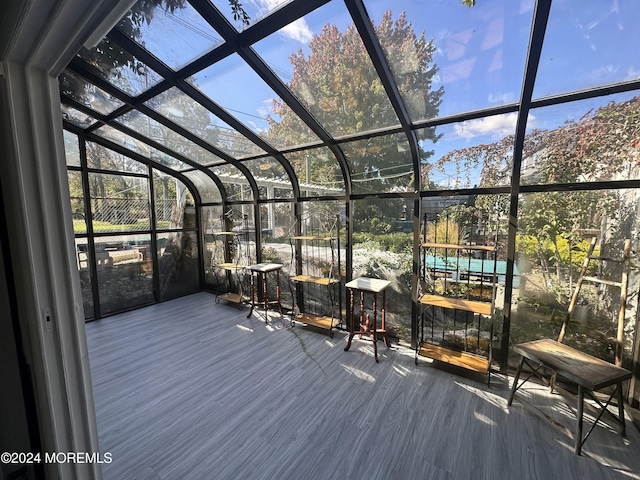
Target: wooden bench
[589,373]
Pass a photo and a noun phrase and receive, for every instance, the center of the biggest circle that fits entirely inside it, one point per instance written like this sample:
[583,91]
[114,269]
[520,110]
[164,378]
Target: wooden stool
[366,327]
[264,269]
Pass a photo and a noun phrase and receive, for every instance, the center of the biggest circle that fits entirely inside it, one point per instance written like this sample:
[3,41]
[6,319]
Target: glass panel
[224,248]
[76,117]
[175,208]
[211,218]
[253,102]
[71,149]
[318,172]
[380,250]
[380,164]
[119,203]
[208,190]
[235,183]
[255,11]
[175,34]
[322,255]
[277,221]
[554,233]
[588,44]
[125,272]
[141,148]
[321,217]
[120,68]
[186,112]
[330,72]
[105,159]
[473,153]
[178,264]
[466,274]
[86,93]
[148,127]
[272,179]
[77,201]
[240,219]
[465,58]
[84,271]
[595,139]
[277,224]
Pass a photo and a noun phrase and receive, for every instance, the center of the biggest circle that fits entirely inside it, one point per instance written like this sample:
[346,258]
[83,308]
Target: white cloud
[298,30]
[632,73]
[501,97]
[497,126]
[526,6]
[266,109]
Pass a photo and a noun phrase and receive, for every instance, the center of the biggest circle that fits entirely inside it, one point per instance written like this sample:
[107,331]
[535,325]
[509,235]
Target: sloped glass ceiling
[360,97]
[262,111]
[132,77]
[330,72]
[587,44]
[172,30]
[254,11]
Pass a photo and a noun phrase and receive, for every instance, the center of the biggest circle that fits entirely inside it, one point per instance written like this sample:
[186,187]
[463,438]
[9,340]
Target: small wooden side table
[366,326]
[264,269]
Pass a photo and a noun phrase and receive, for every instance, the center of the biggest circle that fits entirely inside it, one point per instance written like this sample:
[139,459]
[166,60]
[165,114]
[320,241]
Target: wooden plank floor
[191,389]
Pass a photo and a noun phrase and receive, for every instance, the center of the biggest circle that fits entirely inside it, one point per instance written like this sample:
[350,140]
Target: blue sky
[480,53]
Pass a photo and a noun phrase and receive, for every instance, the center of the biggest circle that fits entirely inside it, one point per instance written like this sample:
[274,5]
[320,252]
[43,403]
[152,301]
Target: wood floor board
[192,389]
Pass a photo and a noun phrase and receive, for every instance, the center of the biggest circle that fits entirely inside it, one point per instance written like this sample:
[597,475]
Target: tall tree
[338,83]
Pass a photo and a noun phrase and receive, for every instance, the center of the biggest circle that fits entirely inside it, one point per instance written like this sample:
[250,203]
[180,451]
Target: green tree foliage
[604,144]
[109,58]
[554,220]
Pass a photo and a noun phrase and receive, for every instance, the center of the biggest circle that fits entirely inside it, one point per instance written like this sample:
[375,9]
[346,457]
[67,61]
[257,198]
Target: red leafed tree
[604,144]
[338,83]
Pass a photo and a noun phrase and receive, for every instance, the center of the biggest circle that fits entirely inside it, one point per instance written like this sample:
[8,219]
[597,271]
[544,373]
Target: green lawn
[79,226]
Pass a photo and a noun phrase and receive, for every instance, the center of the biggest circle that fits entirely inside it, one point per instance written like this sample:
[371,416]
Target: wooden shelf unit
[232,247]
[456,303]
[317,299]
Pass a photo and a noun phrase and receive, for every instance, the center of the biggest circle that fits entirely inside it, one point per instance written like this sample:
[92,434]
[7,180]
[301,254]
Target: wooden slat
[605,259]
[230,266]
[602,281]
[454,246]
[310,238]
[316,320]
[316,280]
[483,308]
[232,297]
[466,360]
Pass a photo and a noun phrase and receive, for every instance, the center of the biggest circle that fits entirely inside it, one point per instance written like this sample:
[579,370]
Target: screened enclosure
[194,117]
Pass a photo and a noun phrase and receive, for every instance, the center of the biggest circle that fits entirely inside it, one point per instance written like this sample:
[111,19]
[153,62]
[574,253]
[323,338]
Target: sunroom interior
[441,147]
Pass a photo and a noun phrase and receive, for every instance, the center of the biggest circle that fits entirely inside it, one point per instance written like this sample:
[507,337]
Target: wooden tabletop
[374,285]
[316,280]
[581,368]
